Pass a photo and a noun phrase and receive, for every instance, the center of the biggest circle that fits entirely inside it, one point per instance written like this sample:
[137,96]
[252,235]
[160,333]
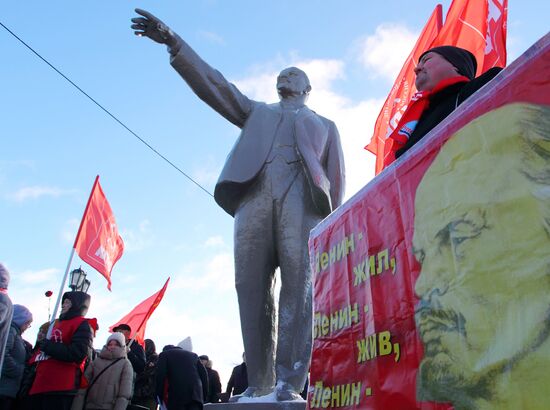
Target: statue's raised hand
[152,27]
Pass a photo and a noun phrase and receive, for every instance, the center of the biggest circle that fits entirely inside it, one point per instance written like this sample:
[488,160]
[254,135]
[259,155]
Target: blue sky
[53,141]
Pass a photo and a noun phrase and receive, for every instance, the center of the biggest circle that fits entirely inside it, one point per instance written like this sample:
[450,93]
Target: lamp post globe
[78,276]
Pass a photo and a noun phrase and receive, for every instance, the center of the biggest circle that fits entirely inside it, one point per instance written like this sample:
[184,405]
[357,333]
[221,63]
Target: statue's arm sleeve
[335,168]
[211,86]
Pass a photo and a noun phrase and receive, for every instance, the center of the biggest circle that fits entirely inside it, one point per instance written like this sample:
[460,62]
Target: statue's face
[292,81]
[484,283]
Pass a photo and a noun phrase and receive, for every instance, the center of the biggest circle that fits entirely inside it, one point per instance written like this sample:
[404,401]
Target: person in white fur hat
[110,378]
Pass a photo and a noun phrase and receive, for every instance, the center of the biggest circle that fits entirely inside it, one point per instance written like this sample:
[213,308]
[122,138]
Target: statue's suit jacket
[317,139]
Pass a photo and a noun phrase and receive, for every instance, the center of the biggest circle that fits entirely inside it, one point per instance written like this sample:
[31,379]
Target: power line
[106,111]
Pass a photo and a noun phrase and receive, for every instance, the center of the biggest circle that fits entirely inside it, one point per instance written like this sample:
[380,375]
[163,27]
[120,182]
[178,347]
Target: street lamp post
[85,286]
[78,281]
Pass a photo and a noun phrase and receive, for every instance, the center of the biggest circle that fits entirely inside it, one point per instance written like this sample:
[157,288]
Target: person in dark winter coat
[6,311]
[214,384]
[144,392]
[181,380]
[24,401]
[445,78]
[61,361]
[238,382]
[14,359]
[136,354]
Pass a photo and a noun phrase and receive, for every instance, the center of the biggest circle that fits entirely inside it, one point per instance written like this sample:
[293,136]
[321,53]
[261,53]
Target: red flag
[495,39]
[98,242]
[138,317]
[402,90]
[478,26]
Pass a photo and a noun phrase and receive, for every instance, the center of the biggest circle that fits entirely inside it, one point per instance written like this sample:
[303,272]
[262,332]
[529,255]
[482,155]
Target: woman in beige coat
[110,379]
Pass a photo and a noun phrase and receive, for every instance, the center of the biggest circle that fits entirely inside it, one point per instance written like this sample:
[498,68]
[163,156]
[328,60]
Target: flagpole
[60,294]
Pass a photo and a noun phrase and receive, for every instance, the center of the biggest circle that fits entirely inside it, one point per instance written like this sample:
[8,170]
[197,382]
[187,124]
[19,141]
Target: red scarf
[418,104]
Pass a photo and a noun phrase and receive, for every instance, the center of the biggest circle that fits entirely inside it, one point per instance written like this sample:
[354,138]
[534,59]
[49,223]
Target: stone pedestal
[281,405]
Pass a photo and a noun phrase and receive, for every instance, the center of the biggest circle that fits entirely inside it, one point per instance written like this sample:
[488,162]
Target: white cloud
[384,52]
[69,230]
[137,239]
[28,287]
[214,274]
[260,86]
[25,163]
[39,276]
[8,167]
[321,72]
[212,37]
[214,242]
[35,192]
[208,172]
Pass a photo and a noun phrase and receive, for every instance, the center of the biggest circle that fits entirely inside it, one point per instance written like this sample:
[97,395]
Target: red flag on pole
[495,50]
[402,90]
[477,26]
[464,27]
[138,317]
[98,242]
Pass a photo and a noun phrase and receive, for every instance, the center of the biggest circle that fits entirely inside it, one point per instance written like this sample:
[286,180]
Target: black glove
[44,344]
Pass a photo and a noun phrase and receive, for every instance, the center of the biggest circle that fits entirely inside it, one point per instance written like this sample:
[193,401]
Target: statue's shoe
[251,392]
[284,392]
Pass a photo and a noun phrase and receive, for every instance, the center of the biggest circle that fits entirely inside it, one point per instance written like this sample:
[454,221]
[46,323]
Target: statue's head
[293,82]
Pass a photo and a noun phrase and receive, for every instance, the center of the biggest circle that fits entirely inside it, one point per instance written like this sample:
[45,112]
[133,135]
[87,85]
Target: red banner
[98,242]
[138,317]
[431,284]
[402,90]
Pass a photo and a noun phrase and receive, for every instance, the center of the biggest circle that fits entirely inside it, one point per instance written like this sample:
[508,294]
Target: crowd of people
[63,371]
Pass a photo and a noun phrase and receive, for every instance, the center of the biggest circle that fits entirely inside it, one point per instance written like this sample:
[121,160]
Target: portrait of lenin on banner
[482,238]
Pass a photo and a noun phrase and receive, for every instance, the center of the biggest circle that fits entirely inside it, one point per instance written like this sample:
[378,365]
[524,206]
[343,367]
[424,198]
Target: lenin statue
[284,174]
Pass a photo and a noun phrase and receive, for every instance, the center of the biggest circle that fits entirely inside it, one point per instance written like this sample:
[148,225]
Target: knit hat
[464,61]
[4,277]
[80,304]
[186,344]
[122,326]
[21,315]
[119,337]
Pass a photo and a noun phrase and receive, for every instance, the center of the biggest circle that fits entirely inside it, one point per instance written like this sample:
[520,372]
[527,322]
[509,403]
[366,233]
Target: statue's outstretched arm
[209,84]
